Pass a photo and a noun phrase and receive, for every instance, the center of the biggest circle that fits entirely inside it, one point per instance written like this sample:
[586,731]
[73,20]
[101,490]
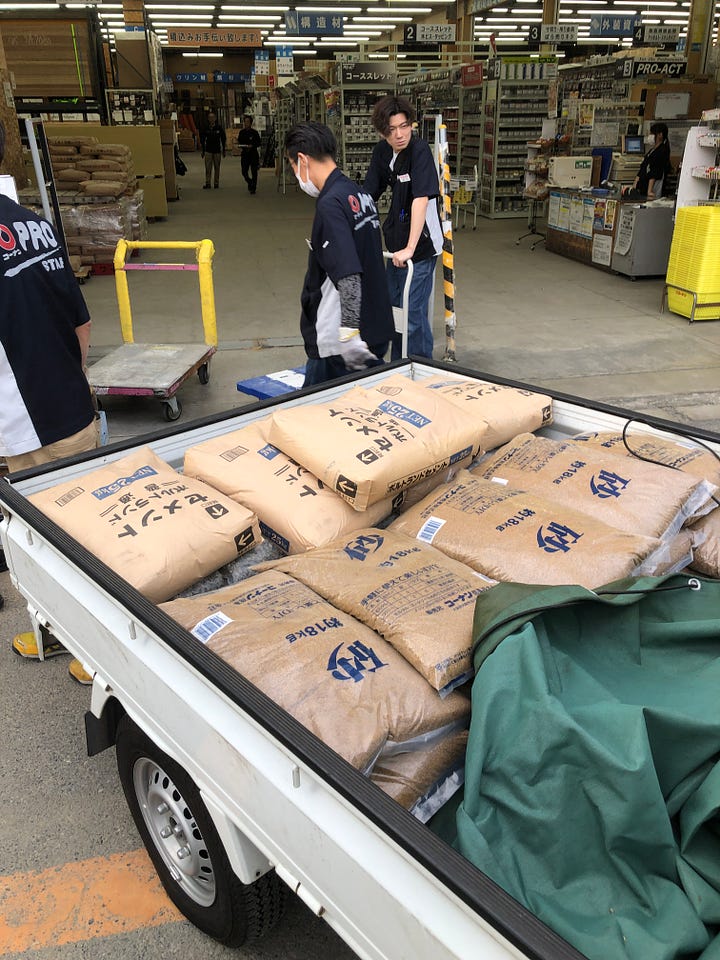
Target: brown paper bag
[418,599]
[296,510]
[506,410]
[334,675]
[371,444]
[514,536]
[681,456]
[157,529]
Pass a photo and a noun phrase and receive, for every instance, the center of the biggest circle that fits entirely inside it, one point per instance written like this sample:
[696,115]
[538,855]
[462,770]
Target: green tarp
[592,784]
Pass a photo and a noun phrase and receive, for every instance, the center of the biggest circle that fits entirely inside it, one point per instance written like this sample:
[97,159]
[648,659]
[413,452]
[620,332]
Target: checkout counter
[604,231]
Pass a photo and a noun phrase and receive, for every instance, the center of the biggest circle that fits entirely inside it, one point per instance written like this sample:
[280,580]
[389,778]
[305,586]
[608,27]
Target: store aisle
[528,315]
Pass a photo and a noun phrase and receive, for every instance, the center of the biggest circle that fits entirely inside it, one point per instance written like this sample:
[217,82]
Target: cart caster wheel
[204,373]
[173,410]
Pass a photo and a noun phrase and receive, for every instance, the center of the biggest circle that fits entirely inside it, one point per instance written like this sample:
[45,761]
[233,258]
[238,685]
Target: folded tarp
[592,781]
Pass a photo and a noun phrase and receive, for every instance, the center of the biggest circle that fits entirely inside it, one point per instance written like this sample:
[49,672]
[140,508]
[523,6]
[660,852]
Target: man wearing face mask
[347,321]
[649,181]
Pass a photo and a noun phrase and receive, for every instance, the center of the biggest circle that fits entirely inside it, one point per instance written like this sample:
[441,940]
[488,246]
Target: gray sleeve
[350,290]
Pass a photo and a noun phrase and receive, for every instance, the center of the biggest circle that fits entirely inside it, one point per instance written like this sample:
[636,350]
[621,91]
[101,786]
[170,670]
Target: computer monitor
[634,144]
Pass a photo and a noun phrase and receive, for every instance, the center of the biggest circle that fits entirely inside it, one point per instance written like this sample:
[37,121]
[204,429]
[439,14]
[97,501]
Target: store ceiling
[374,22]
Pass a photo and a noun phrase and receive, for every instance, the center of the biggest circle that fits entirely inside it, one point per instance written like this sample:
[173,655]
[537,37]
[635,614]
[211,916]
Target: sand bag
[506,410]
[61,150]
[103,188]
[706,545]
[106,150]
[371,444]
[418,599]
[425,779]
[91,163]
[70,141]
[296,510]
[514,536]
[627,494]
[341,680]
[157,529]
[71,175]
[673,453]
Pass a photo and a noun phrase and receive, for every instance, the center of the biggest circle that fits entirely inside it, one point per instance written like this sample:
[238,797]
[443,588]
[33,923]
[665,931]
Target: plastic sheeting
[592,777]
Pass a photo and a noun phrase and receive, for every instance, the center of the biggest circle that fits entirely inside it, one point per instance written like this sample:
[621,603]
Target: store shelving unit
[700,172]
[596,107]
[357,99]
[513,111]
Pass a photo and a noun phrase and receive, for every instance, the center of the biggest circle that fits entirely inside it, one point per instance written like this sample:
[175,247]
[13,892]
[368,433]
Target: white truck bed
[277,796]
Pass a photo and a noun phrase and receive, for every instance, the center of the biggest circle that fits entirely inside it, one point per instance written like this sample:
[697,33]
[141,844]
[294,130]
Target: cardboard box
[167,131]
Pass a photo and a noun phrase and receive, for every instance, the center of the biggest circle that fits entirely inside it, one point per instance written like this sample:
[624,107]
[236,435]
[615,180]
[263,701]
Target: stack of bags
[92,230]
[84,166]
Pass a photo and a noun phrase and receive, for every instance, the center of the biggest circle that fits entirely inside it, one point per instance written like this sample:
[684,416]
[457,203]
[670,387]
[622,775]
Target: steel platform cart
[158,369]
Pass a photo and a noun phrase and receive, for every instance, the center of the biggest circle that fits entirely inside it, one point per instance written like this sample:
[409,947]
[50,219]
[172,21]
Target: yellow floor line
[91,898]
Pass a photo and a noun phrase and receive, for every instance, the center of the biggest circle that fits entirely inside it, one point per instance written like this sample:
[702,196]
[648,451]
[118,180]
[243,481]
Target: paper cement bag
[506,410]
[627,494]
[296,510]
[706,545]
[421,601]
[682,455]
[425,779]
[338,678]
[157,529]
[371,444]
[514,536]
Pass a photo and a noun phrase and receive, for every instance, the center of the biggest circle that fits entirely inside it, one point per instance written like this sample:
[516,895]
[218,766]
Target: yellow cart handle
[204,252]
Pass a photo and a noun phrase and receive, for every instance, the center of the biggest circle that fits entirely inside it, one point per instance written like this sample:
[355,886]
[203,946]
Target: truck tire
[185,848]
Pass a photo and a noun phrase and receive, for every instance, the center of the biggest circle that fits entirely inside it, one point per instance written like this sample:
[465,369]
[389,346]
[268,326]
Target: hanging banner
[300,24]
[284,61]
[611,26]
[262,63]
[202,37]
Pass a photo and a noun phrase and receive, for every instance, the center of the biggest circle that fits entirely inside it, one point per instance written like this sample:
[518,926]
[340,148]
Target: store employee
[655,163]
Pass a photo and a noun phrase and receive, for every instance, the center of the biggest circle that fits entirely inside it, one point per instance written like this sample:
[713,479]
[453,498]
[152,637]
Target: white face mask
[308,186]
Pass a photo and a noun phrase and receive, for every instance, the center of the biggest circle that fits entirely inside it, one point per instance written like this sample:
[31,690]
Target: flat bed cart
[157,369]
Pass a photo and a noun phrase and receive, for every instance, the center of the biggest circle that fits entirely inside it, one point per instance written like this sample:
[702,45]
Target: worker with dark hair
[655,164]
[347,321]
[249,142]
[46,407]
[212,143]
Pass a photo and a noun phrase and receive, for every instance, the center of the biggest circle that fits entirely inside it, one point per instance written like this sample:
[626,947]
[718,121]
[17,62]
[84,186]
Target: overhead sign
[650,68]
[656,34]
[360,72]
[191,78]
[430,33]
[611,26]
[553,33]
[299,24]
[220,76]
[202,37]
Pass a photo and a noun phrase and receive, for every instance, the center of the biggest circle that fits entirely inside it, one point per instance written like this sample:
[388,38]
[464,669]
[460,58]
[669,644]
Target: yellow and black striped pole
[448,255]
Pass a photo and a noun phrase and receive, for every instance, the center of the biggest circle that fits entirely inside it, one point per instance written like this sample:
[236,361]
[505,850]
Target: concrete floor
[532,316]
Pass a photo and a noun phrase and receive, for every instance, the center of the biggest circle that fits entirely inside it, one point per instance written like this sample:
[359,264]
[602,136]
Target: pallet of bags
[134,204]
[92,168]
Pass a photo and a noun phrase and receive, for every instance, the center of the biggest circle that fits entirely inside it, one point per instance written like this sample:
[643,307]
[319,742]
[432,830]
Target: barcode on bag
[208,627]
[430,529]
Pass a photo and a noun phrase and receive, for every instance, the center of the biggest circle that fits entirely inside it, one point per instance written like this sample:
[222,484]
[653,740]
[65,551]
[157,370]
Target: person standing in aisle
[346,321]
[655,164]
[249,142]
[412,228]
[46,407]
[212,142]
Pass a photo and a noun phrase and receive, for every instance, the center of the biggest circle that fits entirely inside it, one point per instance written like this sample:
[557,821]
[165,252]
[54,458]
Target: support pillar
[699,35]
[13,162]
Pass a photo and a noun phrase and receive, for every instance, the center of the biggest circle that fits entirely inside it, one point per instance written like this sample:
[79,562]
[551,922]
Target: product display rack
[596,108]
[512,114]
[700,172]
[359,137]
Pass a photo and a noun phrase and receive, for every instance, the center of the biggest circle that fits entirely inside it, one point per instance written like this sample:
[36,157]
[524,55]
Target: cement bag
[334,675]
[506,410]
[90,164]
[371,444]
[423,780]
[514,536]
[706,544]
[296,510]
[103,188]
[157,529]
[627,494]
[70,176]
[673,453]
[419,600]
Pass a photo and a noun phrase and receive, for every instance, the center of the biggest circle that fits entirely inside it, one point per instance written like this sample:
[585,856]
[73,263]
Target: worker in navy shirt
[46,408]
[347,321]
[412,228]
[249,142]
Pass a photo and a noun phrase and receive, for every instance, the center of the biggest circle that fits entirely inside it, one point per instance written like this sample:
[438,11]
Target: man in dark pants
[412,228]
[249,142]
[347,321]
[212,141]
[46,408]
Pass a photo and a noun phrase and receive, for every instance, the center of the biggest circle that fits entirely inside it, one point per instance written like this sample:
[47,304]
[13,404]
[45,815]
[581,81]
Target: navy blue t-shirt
[44,394]
[345,240]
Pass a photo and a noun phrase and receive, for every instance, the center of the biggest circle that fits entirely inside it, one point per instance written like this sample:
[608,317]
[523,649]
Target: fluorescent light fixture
[392,20]
[268,17]
[194,55]
[29,6]
[252,8]
[331,9]
[239,25]
[179,6]
[336,43]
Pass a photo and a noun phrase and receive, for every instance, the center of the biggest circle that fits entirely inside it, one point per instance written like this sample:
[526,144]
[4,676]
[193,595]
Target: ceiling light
[331,9]
[29,6]
[265,17]
[179,6]
[251,8]
[336,43]
[202,55]
[392,20]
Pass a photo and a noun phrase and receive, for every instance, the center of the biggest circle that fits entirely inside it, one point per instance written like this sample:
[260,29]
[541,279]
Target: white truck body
[276,795]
